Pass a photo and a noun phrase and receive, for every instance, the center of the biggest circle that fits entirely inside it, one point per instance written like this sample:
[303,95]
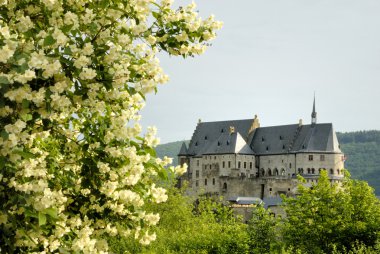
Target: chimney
[232,129]
[300,123]
[255,124]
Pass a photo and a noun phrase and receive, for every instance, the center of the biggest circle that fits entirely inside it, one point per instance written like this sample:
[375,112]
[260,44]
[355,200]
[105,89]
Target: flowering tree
[74,167]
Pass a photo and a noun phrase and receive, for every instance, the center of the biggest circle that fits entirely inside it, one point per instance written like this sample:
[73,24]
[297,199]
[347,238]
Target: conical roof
[183,150]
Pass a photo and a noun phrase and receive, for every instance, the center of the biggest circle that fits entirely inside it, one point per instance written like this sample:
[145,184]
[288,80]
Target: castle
[240,158]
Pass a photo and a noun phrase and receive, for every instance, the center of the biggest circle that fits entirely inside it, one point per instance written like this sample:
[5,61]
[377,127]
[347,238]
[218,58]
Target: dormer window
[262,139]
[205,137]
[222,130]
[303,146]
[283,146]
[228,142]
[196,143]
[281,137]
[218,143]
[267,148]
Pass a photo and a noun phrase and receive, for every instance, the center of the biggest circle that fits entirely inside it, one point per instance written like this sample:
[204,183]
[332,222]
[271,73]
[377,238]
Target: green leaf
[67,28]
[156,15]
[26,117]
[49,40]
[25,155]
[2,162]
[4,135]
[41,219]
[25,104]
[4,80]
[52,212]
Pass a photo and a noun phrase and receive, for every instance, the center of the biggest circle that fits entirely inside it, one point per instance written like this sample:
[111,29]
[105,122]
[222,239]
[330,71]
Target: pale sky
[268,59]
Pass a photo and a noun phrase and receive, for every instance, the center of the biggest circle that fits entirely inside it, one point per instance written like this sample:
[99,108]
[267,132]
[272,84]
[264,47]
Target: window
[210,166]
[313,171]
[225,186]
[213,181]
[196,183]
[228,142]
[245,164]
[196,143]
[262,139]
[269,172]
[270,189]
[338,171]
[267,148]
[239,164]
[206,181]
[322,157]
[222,130]
[229,164]
[205,137]
[224,164]
[310,157]
[205,166]
[283,146]
[331,171]
[196,173]
[198,163]
[218,143]
[250,165]
[281,138]
[276,172]
[308,170]
[214,157]
[290,165]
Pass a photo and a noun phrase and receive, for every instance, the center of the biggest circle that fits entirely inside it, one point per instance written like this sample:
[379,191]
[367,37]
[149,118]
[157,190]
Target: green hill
[362,149]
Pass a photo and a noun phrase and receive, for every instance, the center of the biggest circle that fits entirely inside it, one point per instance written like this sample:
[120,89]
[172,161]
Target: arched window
[308,170]
[276,172]
[224,186]
[269,172]
[313,171]
[338,171]
[331,171]
[282,172]
[206,181]
[319,170]
[262,172]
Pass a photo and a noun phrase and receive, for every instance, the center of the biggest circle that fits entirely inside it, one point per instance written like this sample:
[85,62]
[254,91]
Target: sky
[268,60]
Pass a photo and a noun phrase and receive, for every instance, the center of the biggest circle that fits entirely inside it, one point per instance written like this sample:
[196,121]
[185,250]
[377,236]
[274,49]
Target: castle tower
[313,114]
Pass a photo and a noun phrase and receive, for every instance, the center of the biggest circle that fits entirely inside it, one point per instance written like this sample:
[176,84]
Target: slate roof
[272,201]
[274,139]
[206,133]
[228,143]
[295,138]
[215,138]
[245,200]
[183,150]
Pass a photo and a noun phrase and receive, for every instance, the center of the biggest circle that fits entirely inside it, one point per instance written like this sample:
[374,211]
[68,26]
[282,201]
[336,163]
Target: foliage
[186,226]
[263,231]
[330,217]
[74,167]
